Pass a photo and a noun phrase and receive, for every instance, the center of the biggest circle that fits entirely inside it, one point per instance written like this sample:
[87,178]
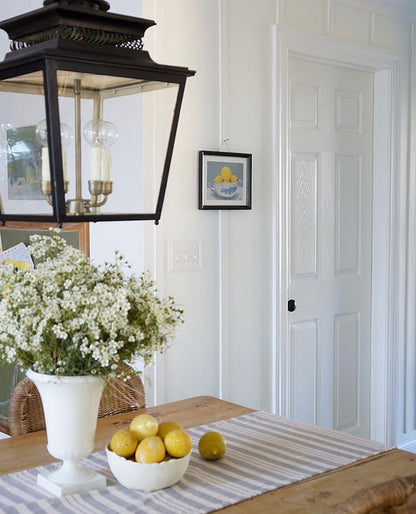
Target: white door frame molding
[389,212]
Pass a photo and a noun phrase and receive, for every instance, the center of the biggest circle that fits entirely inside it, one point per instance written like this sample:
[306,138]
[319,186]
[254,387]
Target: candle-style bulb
[100,134]
[42,136]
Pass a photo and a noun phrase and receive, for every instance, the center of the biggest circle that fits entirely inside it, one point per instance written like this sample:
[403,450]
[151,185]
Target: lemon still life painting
[224,180]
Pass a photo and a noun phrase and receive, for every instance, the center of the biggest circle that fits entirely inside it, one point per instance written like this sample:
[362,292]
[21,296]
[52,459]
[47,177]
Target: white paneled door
[330,254]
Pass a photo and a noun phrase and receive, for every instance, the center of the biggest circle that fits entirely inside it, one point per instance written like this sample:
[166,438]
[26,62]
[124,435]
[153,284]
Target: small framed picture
[224,180]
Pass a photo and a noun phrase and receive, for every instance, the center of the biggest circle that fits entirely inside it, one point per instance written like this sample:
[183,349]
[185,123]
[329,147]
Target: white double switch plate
[184,257]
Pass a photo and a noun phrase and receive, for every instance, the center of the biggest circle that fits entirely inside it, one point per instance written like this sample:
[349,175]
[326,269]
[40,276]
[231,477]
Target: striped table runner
[264,452]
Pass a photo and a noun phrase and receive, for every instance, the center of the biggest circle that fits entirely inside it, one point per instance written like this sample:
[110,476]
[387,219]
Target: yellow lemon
[165,427]
[226,173]
[212,446]
[144,425]
[178,443]
[150,449]
[218,179]
[234,178]
[124,443]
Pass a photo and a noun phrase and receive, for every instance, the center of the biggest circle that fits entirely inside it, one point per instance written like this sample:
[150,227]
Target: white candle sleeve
[46,173]
[100,162]
[95,162]
[106,165]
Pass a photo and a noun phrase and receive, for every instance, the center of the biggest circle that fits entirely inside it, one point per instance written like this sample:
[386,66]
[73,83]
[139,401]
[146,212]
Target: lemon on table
[165,427]
[124,443]
[144,425]
[212,445]
[150,449]
[178,443]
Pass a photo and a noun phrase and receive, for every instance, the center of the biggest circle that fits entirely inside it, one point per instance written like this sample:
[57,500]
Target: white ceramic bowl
[225,189]
[147,477]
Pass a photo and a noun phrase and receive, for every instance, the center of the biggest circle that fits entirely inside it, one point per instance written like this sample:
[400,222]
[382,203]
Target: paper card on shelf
[19,256]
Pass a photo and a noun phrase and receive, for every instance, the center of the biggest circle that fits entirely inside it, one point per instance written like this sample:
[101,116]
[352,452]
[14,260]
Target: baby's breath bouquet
[70,317]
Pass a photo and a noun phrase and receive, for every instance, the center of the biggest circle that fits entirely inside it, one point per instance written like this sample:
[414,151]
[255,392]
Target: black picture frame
[225,180]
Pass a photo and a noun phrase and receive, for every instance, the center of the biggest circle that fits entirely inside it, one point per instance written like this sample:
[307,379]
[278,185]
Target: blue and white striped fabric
[264,452]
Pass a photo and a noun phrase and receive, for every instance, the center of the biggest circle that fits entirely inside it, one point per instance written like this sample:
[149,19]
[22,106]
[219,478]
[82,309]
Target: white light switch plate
[184,257]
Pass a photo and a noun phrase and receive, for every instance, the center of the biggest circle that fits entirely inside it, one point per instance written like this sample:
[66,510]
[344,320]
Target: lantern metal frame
[55,39]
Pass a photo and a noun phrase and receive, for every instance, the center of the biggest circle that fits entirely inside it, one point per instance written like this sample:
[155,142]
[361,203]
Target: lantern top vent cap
[102,5]
[78,20]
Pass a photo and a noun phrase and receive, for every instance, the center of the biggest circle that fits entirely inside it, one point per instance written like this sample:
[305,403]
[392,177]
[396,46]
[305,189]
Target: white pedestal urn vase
[70,406]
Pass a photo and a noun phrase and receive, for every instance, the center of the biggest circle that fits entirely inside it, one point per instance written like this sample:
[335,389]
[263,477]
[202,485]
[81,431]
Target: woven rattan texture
[26,412]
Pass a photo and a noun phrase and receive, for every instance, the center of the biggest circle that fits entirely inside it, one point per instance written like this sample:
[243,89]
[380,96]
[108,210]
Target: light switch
[184,257]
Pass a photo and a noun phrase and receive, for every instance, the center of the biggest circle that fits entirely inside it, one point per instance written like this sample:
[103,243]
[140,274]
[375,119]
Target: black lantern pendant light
[77,97]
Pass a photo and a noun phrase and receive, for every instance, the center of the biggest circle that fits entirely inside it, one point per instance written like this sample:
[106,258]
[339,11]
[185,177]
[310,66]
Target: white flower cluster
[71,317]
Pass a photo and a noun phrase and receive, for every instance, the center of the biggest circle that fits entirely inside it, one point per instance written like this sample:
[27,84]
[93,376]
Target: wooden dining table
[321,493]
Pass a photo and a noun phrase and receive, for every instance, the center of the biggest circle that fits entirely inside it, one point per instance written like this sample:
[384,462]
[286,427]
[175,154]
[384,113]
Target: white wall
[227,347]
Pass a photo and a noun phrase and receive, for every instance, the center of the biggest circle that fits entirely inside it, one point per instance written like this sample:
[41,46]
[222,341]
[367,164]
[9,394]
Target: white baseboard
[409,446]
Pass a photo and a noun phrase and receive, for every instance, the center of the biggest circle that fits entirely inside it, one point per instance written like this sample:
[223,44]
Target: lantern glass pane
[114,162]
[22,107]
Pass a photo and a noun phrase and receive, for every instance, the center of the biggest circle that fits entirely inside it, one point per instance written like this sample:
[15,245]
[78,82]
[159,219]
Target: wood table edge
[29,450]
[322,493]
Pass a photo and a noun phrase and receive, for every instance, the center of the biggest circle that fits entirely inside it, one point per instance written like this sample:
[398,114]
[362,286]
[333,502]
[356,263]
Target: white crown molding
[409,6]
[396,4]
[404,9]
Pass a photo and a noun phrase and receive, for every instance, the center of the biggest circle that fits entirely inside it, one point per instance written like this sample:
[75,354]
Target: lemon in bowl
[167,426]
[144,425]
[178,443]
[150,449]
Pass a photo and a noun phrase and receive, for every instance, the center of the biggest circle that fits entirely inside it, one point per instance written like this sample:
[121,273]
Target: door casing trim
[388,210]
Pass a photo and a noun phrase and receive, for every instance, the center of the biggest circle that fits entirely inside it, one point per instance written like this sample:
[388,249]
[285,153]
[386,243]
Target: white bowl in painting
[225,189]
[147,477]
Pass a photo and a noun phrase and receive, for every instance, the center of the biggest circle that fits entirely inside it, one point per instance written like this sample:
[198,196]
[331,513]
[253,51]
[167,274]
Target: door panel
[303,352]
[330,233]
[348,183]
[304,211]
[346,383]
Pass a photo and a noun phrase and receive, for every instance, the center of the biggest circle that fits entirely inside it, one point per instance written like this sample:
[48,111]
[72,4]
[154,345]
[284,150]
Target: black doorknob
[291,305]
